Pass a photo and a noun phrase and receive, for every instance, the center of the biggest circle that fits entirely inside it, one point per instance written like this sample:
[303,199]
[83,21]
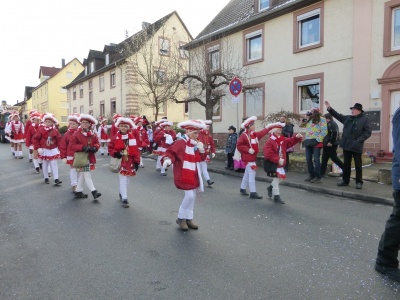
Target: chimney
[62,63]
[145,25]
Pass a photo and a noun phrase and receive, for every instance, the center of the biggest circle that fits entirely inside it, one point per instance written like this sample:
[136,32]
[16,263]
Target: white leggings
[54,168]
[275,186]
[187,205]
[73,176]
[204,170]
[123,185]
[249,178]
[87,178]
[158,164]
[36,163]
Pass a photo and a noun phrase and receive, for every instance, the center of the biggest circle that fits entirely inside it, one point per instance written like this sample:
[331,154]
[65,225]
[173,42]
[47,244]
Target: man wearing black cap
[230,146]
[356,130]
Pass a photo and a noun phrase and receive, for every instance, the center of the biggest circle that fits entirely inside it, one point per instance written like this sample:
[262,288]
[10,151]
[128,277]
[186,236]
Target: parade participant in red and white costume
[124,145]
[28,124]
[33,129]
[102,134]
[247,145]
[67,155]
[7,131]
[156,129]
[85,140]
[164,138]
[207,140]
[46,142]
[114,129]
[17,135]
[144,139]
[275,152]
[185,157]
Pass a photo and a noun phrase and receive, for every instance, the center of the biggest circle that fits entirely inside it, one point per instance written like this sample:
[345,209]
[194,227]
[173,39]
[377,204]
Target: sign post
[235,88]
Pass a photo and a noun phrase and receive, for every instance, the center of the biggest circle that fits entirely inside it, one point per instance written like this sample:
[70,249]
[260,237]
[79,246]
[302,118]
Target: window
[254,101]
[85,70]
[391,35]
[74,93]
[81,109]
[308,28]
[74,110]
[90,97]
[107,58]
[64,119]
[91,112]
[163,46]
[182,52]
[69,74]
[308,92]
[101,83]
[186,108]
[113,107]
[102,108]
[263,4]
[375,119]
[214,58]
[81,91]
[253,45]
[92,67]
[217,110]
[90,85]
[112,79]
[62,90]
[160,76]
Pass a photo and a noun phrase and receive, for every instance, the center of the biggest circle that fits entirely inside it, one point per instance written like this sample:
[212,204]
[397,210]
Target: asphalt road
[55,247]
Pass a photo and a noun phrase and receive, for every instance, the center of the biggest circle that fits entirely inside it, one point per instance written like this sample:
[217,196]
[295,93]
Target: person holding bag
[275,154]
[247,145]
[124,146]
[316,130]
[84,142]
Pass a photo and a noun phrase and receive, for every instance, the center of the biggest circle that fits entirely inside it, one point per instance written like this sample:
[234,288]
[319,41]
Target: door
[395,103]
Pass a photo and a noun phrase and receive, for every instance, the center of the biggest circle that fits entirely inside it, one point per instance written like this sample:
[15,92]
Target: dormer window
[92,67]
[163,46]
[263,4]
[107,58]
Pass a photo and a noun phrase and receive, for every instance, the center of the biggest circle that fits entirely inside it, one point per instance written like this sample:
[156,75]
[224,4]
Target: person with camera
[356,130]
[316,130]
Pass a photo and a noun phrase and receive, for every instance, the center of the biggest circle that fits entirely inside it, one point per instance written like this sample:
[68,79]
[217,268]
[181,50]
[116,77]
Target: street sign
[235,86]
[235,100]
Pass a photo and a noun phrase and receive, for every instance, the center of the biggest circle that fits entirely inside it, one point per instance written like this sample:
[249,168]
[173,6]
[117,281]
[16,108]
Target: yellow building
[50,95]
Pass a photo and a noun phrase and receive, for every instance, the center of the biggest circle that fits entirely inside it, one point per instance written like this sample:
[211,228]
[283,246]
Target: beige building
[50,95]
[125,78]
[295,54]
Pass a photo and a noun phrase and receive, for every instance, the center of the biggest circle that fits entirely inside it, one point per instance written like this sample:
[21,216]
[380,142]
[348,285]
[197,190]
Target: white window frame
[248,37]
[214,50]
[393,46]
[81,91]
[300,19]
[259,5]
[112,79]
[259,113]
[163,45]
[302,83]
[107,58]
[92,67]
[101,83]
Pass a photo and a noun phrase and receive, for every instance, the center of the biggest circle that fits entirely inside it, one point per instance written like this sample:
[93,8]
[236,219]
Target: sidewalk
[372,191]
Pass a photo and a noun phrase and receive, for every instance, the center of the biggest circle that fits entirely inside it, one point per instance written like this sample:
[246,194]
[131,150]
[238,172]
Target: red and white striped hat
[88,118]
[248,122]
[192,125]
[74,117]
[49,116]
[126,121]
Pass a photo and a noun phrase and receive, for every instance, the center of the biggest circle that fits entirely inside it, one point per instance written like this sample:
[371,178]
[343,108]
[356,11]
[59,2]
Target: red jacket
[78,141]
[159,138]
[177,154]
[208,142]
[273,153]
[243,145]
[28,124]
[30,133]
[42,135]
[64,148]
[144,138]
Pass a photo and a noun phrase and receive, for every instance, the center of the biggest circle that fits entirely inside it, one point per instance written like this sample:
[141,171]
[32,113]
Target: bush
[63,129]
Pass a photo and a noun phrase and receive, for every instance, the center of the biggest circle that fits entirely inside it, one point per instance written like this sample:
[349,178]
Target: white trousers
[187,205]
[158,164]
[87,178]
[73,176]
[275,186]
[36,163]
[204,170]
[249,178]
[123,185]
[54,168]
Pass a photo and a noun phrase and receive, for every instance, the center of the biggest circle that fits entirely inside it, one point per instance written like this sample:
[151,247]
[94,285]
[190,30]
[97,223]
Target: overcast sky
[36,33]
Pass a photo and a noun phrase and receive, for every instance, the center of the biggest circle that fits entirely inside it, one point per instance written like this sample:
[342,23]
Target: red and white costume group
[164,137]
[208,151]
[103,135]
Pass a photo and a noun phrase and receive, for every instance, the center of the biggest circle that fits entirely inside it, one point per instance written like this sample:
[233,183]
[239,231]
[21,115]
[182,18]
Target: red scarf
[16,126]
[128,142]
[191,157]
[85,133]
[253,139]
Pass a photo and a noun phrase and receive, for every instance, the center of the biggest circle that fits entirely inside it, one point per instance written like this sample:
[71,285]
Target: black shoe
[95,195]
[358,186]
[37,170]
[80,195]
[163,174]
[269,189]
[316,180]
[209,182]
[102,154]
[30,160]
[120,197]
[392,273]
[57,182]
[342,183]
[254,195]
[46,180]
[277,199]
[40,166]
[125,203]
[309,179]
[243,192]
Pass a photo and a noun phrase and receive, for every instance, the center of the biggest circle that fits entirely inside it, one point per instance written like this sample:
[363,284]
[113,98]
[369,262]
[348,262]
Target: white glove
[281,161]
[168,139]
[276,124]
[200,146]
[299,135]
[251,151]
[167,163]
[40,150]
[64,160]
[212,155]
[178,135]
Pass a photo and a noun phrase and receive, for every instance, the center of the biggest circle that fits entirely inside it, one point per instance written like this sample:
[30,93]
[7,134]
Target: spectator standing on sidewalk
[388,251]
[331,141]
[230,147]
[356,130]
[287,131]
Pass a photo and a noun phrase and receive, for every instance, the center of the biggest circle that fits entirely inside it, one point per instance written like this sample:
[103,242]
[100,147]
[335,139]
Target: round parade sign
[235,86]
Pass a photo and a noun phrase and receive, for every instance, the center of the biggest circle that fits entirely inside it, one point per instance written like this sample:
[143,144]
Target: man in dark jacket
[230,146]
[331,141]
[356,130]
[287,131]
